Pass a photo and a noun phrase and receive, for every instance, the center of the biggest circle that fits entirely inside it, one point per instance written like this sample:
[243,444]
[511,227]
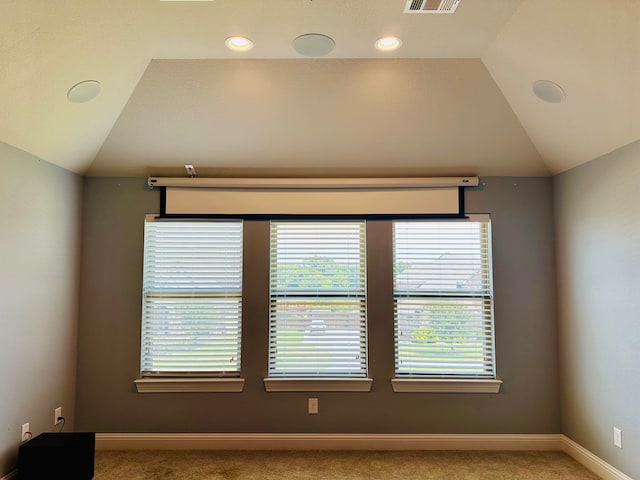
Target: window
[318,306]
[443,299]
[192,298]
[193,302]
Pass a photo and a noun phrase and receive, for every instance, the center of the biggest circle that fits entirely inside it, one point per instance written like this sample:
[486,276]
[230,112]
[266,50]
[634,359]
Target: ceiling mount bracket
[191,171]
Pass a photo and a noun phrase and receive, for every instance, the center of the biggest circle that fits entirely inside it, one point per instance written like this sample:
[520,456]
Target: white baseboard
[304,441]
[591,461]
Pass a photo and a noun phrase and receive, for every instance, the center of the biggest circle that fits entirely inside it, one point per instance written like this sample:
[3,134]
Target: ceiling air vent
[431,6]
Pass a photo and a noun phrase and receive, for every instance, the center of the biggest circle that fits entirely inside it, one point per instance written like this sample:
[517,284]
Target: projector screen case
[272,198]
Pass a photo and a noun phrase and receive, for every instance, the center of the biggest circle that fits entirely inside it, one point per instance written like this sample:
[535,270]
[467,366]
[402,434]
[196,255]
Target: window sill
[318,384]
[199,385]
[445,385]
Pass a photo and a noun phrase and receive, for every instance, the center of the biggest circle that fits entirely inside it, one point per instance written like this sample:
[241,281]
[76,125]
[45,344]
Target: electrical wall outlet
[617,437]
[26,432]
[313,406]
[57,413]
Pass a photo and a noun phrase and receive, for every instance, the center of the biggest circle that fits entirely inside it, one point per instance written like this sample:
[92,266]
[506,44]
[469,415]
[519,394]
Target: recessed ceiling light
[387,44]
[84,91]
[313,44]
[239,44]
[549,91]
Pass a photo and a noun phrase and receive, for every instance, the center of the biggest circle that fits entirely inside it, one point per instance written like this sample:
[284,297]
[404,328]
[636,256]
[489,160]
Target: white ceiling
[455,99]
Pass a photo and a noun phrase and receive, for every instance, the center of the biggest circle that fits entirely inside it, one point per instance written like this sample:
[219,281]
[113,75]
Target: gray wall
[109,333]
[598,246]
[39,273]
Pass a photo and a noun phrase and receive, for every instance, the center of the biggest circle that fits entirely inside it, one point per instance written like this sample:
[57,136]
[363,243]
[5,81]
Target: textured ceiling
[456,98]
[592,49]
[373,115]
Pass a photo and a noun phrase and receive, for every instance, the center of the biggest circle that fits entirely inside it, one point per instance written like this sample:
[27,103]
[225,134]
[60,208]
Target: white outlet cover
[617,437]
[25,430]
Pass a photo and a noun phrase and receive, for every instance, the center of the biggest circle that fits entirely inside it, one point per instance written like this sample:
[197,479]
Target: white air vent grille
[431,6]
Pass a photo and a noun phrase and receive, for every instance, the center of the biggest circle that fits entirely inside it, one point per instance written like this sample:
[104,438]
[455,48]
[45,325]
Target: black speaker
[57,455]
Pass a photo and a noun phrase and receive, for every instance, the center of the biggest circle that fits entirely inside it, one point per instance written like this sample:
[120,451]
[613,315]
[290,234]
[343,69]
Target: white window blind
[443,298]
[192,298]
[318,305]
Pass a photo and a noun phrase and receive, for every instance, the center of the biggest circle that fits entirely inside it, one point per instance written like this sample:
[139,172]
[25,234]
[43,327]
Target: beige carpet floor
[340,465]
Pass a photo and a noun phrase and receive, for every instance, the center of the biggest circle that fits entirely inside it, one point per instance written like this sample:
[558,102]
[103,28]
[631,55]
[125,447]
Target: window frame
[194,381]
[292,382]
[448,382]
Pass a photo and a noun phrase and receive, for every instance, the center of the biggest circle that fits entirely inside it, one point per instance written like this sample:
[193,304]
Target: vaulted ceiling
[455,99]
